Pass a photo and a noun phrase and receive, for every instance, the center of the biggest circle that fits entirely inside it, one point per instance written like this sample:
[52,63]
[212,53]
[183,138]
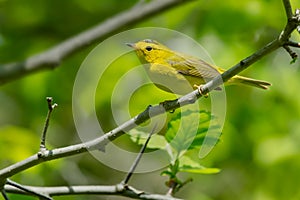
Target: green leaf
[182,130]
[187,130]
[156,141]
[166,173]
[200,170]
[191,166]
[294,60]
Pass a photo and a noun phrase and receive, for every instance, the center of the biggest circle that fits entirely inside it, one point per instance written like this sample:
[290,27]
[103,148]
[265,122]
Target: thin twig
[291,52]
[52,57]
[28,190]
[155,110]
[138,158]
[172,187]
[51,107]
[183,184]
[288,8]
[298,14]
[240,66]
[119,190]
[145,115]
[293,44]
[4,194]
[293,23]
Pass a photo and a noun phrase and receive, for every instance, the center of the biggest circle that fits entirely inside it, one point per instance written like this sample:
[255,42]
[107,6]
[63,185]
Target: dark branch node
[49,100]
[242,62]
[169,105]
[133,190]
[142,117]
[51,106]
[293,54]
[43,153]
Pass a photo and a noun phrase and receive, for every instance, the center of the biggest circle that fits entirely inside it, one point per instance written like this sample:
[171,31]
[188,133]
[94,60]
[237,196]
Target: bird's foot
[199,87]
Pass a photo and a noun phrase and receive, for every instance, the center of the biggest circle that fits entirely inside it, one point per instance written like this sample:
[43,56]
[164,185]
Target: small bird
[178,73]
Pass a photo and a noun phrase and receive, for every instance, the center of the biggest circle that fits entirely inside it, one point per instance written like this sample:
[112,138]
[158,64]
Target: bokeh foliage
[259,148]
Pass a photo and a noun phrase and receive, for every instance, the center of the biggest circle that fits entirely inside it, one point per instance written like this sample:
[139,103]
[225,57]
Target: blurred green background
[260,147]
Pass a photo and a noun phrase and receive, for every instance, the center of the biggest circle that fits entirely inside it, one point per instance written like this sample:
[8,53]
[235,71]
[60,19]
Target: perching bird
[178,73]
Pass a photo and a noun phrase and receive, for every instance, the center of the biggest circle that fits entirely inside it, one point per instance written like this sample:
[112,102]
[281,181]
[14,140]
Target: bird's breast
[169,79]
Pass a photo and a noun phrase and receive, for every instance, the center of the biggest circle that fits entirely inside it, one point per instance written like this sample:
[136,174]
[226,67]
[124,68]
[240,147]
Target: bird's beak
[131,45]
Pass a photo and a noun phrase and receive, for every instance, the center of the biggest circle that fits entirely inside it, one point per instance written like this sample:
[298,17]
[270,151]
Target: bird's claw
[199,87]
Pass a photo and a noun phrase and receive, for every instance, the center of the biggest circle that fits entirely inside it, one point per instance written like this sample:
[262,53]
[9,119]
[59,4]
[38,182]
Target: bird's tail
[251,82]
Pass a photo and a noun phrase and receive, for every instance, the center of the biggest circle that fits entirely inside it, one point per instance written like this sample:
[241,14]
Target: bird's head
[151,51]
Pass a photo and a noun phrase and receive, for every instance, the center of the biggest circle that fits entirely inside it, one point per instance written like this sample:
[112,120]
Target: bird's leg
[199,87]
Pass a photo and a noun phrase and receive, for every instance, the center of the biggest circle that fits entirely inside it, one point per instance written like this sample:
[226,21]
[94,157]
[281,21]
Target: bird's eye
[148,48]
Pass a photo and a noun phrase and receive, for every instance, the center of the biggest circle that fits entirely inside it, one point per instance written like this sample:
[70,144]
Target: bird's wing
[191,66]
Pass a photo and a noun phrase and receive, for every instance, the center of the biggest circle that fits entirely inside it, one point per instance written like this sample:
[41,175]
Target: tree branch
[138,158]
[119,190]
[293,44]
[281,41]
[154,110]
[288,8]
[293,54]
[28,190]
[51,107]
[52,57]
[190,98]
[293,22]
[98,142]
[4,195]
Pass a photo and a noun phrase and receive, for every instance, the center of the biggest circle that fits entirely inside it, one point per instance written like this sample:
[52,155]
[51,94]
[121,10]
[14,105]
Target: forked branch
[293,23]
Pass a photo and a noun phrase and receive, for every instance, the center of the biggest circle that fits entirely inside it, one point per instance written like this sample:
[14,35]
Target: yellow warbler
[175,72]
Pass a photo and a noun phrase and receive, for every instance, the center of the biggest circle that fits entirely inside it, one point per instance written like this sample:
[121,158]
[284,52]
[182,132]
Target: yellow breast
[169,79]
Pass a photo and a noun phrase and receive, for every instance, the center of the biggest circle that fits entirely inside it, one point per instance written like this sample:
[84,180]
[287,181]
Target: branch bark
[154,110]
[52,57]
[283,39]
[293,21]
[119,190]
[288,8]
